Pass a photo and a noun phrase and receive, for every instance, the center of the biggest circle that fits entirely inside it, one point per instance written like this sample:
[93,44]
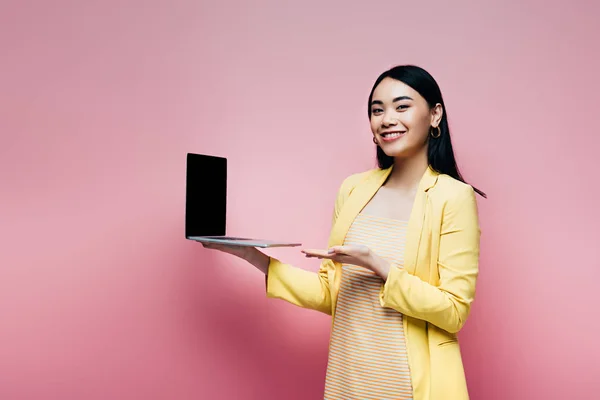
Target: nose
[389,120]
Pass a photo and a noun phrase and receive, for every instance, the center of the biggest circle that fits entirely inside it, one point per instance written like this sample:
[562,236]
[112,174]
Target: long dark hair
[439,150]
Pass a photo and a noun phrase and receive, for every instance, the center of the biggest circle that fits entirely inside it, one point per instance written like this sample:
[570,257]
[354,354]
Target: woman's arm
[251,254]
[447,305]
[297,286]
[300,287]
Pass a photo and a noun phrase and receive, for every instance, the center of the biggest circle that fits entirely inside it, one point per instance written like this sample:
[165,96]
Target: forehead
[389,89]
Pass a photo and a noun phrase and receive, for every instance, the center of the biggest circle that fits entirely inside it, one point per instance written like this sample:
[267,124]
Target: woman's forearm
[257,258]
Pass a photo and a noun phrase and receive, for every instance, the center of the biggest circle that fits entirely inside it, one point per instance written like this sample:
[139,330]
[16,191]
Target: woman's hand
[251,254]
[356,255]
[238,251]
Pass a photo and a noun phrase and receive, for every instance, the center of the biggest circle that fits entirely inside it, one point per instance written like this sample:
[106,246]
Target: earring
[439,132]
[375,141]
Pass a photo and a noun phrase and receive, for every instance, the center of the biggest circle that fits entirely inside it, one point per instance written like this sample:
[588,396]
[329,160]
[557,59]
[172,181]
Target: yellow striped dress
[367,351]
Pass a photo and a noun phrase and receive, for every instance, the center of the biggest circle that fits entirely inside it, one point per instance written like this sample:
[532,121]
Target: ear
[436,115]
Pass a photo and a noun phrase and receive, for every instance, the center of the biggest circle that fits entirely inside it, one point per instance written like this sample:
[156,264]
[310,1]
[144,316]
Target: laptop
[206,204]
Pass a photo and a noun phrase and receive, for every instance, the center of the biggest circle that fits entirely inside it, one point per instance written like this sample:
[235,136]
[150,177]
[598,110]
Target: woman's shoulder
[451,189]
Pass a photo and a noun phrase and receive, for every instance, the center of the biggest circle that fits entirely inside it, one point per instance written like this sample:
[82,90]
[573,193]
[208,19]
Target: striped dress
[367,351]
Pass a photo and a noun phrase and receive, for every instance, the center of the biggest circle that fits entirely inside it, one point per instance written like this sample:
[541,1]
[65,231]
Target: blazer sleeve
[448,304]
[304,288]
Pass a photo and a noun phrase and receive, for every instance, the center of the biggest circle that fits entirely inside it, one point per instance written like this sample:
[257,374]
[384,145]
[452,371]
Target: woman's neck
[407,172]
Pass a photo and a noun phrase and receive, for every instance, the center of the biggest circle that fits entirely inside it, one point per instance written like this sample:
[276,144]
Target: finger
[339,250]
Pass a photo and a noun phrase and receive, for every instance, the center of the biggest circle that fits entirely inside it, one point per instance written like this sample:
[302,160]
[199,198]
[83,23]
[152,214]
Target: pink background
[101,297]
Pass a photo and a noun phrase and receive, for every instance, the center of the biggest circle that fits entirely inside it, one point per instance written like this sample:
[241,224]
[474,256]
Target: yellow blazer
[434,288]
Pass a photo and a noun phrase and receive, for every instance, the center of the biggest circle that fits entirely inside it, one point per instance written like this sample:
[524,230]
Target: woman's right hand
[251,254]
[238,251]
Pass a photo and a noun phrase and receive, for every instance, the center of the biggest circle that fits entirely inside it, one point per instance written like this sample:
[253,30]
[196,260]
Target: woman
[400,272]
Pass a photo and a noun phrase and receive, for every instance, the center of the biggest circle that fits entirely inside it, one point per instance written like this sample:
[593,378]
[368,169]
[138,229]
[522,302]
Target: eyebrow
[393,101]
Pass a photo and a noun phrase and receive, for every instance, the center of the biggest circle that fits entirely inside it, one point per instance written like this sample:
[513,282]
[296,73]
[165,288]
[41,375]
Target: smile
[389,136]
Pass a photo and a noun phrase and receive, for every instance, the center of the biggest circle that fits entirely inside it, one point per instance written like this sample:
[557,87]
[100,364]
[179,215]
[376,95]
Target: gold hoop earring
[439,132]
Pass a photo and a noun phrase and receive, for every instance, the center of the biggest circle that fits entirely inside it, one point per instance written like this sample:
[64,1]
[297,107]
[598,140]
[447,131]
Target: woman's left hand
[356,255]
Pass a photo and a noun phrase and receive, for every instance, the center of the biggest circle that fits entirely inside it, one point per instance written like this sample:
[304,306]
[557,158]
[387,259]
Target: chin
[397,151]
[401,150]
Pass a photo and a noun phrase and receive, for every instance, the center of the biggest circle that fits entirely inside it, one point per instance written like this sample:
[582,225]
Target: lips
[392,135]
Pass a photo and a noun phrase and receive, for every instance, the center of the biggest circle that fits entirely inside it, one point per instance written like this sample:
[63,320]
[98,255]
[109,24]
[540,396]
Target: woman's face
[401,119]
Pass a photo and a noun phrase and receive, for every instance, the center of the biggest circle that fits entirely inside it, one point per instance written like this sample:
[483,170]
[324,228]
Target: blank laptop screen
[206,195]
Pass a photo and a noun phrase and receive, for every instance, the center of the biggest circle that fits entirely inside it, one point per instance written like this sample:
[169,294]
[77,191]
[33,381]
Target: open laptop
[206,204]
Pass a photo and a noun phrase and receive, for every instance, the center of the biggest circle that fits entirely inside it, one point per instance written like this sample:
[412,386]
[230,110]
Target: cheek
[374,124]
[418,126]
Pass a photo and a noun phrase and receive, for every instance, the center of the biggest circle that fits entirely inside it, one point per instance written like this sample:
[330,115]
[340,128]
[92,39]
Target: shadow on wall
[244,334]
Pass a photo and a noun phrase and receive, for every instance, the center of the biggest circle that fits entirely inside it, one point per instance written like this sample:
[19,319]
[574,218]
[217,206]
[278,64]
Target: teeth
[392,135]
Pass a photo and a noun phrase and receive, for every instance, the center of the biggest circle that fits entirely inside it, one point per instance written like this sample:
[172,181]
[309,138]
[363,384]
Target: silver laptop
[206,204]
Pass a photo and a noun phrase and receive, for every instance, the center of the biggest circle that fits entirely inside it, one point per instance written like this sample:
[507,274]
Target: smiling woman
[400,273]
[408,97]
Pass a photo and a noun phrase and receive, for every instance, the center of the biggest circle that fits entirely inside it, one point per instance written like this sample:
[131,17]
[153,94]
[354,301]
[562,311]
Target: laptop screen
[206,195]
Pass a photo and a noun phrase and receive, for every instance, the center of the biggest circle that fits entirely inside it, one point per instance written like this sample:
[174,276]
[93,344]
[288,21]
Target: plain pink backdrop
[101,297]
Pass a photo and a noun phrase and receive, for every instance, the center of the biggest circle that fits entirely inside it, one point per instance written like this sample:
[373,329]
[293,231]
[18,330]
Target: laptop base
[236,241]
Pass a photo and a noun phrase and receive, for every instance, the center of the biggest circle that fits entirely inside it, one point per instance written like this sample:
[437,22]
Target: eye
[402,107]
[376,111]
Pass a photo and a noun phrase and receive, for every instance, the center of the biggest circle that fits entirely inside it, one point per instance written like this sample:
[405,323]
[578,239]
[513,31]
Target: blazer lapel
[417,219]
